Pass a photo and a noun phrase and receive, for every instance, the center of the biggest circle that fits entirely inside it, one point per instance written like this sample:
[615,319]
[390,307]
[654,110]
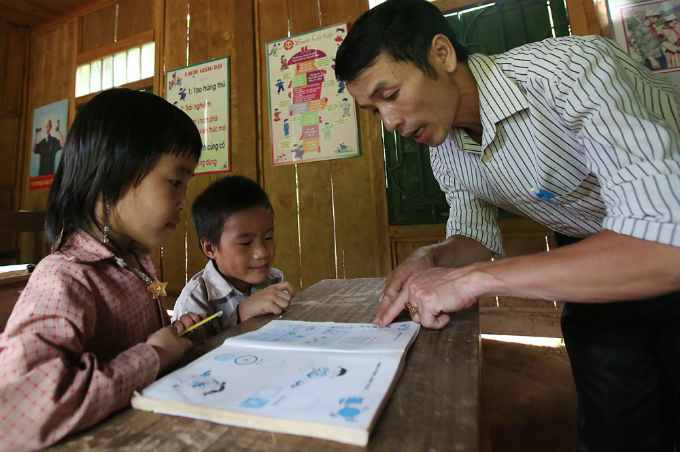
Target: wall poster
[649,31]
[312,116]
[49,133]
[202,91]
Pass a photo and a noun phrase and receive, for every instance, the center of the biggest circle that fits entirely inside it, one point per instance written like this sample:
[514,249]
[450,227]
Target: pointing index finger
[394,309]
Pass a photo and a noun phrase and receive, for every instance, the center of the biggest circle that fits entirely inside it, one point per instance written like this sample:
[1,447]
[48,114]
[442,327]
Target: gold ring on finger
[411,309]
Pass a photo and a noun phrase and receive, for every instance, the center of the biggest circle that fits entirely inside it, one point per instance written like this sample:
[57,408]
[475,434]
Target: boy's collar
[220,288]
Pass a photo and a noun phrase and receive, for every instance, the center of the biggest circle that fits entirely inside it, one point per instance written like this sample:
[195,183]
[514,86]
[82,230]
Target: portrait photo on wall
[649,31]
[49,133]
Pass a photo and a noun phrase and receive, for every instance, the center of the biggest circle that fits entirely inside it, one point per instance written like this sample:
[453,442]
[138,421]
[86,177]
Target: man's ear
[442,54]
[208,248]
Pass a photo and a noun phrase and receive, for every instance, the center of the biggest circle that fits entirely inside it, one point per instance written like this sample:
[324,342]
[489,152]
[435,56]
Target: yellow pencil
[200,324]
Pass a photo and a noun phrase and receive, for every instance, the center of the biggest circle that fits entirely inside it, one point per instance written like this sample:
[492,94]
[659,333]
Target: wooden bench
[12,225]
[10,289]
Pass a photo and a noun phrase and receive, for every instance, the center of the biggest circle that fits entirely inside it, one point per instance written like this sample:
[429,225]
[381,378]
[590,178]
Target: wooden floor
[530,397]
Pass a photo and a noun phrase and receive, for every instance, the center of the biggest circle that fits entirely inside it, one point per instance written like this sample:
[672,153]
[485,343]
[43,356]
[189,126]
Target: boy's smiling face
[246,249]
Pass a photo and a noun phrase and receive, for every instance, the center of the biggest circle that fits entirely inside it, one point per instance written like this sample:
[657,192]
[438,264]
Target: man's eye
[176,183]
[245,243]
[393,95]
[269,238]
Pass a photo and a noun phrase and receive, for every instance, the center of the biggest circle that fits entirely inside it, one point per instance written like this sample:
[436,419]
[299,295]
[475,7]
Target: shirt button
[486,158]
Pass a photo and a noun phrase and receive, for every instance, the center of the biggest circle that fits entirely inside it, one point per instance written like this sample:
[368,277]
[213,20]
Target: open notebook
[325,380]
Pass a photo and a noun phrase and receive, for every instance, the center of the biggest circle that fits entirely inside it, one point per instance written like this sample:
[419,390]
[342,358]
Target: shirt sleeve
[194,298]
[50,385]
[626,117]
[469,215]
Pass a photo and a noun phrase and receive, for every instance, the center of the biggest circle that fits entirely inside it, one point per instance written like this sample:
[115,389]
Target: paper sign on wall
[202,92]
[312,117]
[650,33]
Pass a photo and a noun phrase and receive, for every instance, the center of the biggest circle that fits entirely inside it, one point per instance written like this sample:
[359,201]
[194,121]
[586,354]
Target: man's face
[653,19]
[48,127]
[407,100]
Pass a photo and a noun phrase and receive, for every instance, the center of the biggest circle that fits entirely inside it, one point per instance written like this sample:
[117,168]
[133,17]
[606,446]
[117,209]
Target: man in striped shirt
[576,135]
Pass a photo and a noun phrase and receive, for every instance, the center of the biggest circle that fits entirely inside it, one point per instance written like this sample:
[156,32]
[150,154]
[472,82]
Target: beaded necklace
[156,287]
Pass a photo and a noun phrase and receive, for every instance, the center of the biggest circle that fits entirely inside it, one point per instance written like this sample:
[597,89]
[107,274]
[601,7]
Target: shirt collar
[219,288]
[491,80]
[84,248]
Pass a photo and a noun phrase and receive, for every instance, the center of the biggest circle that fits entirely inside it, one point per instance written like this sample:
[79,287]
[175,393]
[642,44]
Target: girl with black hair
[90,327]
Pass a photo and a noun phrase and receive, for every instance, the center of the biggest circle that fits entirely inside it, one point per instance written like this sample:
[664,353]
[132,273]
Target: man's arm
[456,251]
[36,149]
[606,267]
[61,137]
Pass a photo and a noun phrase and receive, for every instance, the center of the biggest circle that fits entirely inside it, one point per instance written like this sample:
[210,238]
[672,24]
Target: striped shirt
[581,123]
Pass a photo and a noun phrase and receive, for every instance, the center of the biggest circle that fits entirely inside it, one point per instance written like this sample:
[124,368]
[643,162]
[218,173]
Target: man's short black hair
[402,29]
[214,208]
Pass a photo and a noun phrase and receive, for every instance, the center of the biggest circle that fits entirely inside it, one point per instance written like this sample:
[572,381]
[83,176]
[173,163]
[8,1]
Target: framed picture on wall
[650,33]
[312,117]
[202,91]
[49,133]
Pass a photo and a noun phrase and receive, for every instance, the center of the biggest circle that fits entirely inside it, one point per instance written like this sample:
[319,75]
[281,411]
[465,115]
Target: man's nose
[391,122]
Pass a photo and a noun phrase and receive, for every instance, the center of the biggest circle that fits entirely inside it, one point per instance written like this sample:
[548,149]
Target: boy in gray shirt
[235,224]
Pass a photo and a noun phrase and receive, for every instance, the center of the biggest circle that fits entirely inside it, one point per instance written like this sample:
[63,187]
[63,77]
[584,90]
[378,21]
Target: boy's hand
[188,320]
[270,300]
[169,347]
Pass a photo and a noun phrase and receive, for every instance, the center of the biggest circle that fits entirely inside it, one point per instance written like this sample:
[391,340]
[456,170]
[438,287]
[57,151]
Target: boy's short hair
[214,208]
[402,29]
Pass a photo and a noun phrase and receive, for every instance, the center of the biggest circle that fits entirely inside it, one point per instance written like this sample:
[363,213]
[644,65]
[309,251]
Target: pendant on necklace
[157,288]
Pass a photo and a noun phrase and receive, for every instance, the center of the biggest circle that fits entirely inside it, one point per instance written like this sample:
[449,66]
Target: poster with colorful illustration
[49,133]
[649,31]
[202,92]
[312,116]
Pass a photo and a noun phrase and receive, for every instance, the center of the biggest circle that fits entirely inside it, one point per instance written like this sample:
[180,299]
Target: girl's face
[149,212]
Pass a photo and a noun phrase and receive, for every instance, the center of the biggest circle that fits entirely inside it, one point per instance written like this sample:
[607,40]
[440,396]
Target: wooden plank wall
[342,228]
[52,66]
[217,29]
[342,209]
[331,216]
[51,78]
[13,51]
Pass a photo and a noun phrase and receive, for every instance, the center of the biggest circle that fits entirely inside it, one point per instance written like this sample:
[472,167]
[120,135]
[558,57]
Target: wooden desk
[435,405]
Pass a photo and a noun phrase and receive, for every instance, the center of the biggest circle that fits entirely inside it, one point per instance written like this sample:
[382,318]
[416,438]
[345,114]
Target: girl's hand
[169,347]
[188,320]
[270,300]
